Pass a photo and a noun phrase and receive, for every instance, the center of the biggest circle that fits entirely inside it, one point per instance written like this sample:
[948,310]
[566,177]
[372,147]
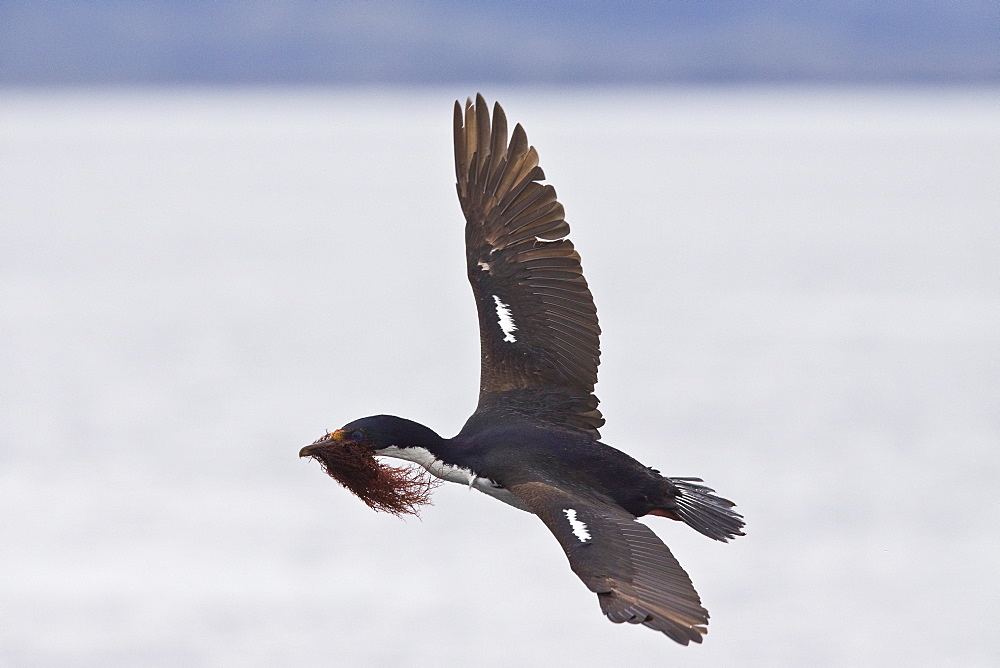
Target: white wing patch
[506,321]
[579,528]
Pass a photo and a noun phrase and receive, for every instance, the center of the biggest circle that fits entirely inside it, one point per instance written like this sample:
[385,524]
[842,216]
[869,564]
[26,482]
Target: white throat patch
[579,528]
[452,473]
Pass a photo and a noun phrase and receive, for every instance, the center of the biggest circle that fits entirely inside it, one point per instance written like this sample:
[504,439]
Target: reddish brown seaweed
[390,489]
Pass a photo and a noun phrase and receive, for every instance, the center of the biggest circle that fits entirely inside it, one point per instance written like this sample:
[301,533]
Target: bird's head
[348,456]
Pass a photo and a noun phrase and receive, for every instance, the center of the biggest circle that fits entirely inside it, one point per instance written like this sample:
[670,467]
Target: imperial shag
[533,441]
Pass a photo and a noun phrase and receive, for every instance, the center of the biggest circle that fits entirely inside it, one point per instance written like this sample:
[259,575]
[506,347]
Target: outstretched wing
[634,575]
[537,321]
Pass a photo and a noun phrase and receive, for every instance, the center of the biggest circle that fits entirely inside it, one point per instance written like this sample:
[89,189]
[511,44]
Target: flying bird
[533,441]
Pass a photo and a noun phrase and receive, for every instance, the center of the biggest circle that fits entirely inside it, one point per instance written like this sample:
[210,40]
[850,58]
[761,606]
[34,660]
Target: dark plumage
[533,441]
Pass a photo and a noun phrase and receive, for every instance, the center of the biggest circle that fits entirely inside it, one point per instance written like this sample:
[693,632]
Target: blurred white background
[799,297]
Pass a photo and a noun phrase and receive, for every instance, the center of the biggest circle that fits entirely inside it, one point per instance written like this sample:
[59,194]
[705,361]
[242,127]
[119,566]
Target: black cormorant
[533,440]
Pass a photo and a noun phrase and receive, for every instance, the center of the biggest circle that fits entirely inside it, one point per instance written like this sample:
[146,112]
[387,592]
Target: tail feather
[708,514]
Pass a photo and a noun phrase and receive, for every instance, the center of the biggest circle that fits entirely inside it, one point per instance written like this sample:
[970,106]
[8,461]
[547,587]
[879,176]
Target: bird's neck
[404,433]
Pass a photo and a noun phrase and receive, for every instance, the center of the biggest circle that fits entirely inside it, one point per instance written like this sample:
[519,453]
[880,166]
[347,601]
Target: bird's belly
[487,486]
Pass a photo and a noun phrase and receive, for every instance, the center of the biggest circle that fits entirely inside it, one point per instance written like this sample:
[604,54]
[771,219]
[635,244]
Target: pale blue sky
[455,41]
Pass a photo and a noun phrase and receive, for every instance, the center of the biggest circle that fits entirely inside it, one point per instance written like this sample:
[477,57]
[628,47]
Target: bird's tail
[700,509]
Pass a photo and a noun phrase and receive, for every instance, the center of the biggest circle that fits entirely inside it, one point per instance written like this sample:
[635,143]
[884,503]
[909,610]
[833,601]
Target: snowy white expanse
[799,297]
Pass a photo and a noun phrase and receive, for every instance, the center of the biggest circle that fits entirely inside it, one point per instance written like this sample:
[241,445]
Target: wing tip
[619,610]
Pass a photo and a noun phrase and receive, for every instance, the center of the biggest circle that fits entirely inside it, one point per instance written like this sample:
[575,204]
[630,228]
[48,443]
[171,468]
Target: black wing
[633,573]
[537,321]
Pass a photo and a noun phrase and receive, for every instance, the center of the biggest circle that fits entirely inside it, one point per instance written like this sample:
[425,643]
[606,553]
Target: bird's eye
[357,436]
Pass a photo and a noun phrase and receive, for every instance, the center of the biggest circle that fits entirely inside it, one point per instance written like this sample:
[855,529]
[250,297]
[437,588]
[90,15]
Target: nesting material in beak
[395,490]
